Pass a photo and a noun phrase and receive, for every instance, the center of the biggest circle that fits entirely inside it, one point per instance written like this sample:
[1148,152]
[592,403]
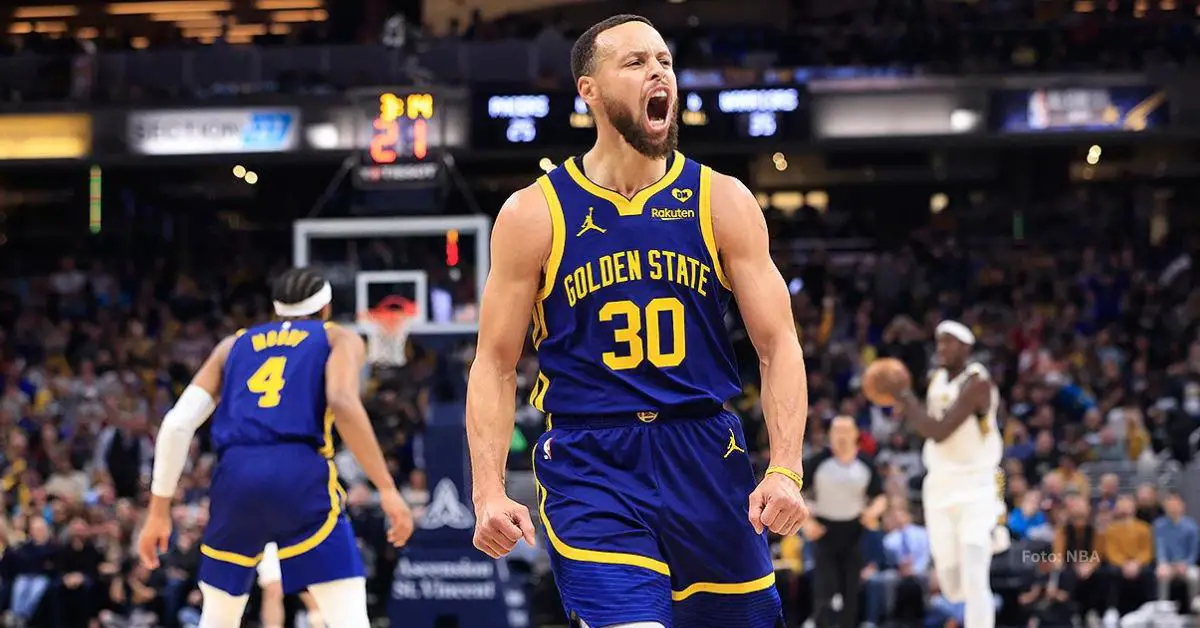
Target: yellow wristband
[789,474]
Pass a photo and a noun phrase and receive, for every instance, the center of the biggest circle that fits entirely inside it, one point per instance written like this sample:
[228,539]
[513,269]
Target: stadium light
[938,203]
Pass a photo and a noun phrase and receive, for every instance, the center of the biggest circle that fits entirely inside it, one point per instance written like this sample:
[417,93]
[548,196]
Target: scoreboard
[401,127]
[562,119]
[407,133]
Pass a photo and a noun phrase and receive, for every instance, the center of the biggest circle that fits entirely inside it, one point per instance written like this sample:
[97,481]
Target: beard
[626,122]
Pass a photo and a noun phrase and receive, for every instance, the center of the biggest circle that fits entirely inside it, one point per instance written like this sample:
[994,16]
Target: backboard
[438,262]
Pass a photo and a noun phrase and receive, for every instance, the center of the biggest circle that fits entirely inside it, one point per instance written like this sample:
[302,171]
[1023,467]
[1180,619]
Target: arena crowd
[1094,350]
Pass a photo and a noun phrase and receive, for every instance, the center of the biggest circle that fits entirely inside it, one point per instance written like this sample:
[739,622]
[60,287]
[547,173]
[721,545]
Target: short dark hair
[583,53]
[296,285]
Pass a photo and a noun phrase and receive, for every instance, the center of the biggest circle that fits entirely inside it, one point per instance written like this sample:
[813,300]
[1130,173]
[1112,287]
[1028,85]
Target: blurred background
[1027,167]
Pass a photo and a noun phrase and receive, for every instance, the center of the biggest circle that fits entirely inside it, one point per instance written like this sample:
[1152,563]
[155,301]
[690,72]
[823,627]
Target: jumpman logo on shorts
[733,446]
[590,225]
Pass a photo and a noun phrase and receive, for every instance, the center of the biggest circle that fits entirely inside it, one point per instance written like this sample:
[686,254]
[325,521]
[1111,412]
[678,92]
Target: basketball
[879,370]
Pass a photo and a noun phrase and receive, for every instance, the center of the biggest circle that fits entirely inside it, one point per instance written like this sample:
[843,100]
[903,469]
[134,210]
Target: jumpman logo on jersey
[733,446]
[590,225]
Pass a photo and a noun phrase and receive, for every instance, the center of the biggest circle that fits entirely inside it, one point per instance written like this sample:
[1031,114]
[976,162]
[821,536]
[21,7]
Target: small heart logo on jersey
[681,195]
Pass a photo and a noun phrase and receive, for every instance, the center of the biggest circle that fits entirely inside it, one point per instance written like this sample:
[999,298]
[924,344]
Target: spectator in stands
[180,568]
[1044,456]
[133,597]
[1107,493]
[1015,486]
[126,452]
[32,568]
[1027,520]
[79,564]
[1045,600]
[1177,549]
[1075,550]
[1073,480]
[906,575]
[1148,507]
[1016,441]
[1054,493]
[1127,549]
[1109,448]
[874,565]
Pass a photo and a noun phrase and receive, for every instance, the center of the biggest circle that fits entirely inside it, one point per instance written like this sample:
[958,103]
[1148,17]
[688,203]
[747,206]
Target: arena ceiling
[143,20]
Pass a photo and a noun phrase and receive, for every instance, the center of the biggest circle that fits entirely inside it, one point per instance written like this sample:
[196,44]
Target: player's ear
[327,312]
[588,90]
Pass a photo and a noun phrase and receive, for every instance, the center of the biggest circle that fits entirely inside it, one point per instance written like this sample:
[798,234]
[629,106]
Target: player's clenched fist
[499,523]
[777,505]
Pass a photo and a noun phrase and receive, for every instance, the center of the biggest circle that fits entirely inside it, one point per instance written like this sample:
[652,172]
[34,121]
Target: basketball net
[386,326]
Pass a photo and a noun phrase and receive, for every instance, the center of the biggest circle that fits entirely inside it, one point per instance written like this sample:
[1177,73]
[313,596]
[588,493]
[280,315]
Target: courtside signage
[213,131]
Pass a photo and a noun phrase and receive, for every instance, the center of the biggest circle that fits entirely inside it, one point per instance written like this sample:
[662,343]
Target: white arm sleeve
[175,438]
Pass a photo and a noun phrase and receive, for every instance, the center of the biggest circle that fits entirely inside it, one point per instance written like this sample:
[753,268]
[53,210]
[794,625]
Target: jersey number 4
[267,382]
[651,347]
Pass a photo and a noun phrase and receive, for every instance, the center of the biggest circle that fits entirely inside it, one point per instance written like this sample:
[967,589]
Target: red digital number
[420,139]
[384,141]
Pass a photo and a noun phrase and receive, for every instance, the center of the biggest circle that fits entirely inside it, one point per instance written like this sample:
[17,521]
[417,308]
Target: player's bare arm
[521,240]
[972,402]
[347,356]
[174,439]
[765,303]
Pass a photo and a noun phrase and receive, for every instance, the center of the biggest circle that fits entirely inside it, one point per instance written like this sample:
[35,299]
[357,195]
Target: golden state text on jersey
[631,316]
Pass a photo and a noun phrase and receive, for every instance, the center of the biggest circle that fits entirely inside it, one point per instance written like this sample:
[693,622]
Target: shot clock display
[406,132]
[401,127]
[562,119]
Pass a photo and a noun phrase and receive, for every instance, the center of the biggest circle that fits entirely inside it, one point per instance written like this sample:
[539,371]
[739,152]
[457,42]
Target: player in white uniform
[962,454]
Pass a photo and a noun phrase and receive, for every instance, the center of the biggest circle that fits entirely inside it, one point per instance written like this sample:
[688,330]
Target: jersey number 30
[631,334]
[267,382]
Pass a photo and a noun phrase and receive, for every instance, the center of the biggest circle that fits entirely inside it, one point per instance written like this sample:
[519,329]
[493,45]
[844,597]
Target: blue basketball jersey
[274,388]
[631,315]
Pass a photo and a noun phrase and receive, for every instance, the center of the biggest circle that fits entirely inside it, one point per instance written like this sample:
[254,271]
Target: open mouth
[658,107]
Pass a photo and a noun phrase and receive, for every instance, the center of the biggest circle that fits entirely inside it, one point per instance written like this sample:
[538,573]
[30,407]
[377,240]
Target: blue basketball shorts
[286,494]
[648,521]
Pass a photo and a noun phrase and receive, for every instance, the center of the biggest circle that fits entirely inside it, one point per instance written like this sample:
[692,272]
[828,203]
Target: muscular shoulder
[737,218]
[221,351]
[524,226]
[731,198]
[342,336]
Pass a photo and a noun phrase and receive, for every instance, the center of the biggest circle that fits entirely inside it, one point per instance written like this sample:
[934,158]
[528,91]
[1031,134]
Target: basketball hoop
[386,326]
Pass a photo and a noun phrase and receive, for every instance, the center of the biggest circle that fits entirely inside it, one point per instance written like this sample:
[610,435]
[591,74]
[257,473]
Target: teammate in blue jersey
[626,258]
[281,385]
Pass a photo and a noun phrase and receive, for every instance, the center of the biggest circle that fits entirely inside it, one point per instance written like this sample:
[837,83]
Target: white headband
[956,330]
[307,307]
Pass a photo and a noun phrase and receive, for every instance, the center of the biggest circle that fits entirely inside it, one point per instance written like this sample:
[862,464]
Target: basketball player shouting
[627,257]
[962,457]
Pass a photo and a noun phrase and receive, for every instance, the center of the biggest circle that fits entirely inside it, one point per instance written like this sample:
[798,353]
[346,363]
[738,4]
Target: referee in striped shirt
[846,498]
